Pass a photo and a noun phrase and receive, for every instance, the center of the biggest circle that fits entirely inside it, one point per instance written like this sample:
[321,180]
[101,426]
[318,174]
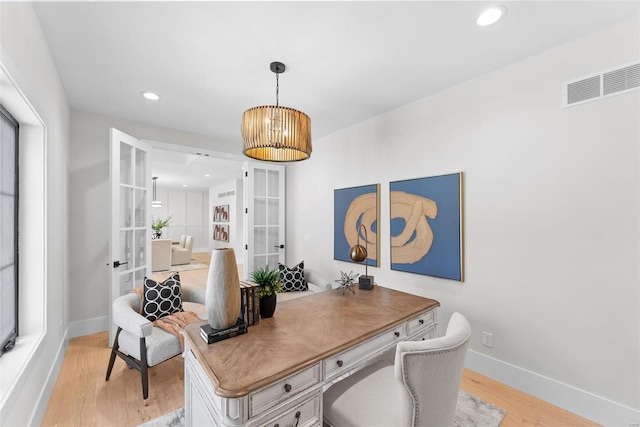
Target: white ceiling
[175,169]
[346,61]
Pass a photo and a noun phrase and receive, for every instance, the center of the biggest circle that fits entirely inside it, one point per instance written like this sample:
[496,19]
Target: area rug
[471,412]
[193,265]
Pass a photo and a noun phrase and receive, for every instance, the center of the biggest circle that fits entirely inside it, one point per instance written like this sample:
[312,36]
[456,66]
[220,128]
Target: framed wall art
[427,226]
[353,207]
[221,233]
[221,213]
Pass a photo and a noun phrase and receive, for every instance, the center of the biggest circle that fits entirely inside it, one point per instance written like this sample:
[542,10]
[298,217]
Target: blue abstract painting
[426,226]
[353,207]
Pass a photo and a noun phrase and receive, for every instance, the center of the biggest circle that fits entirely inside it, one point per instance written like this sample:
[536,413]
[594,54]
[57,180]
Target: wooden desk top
[302,332]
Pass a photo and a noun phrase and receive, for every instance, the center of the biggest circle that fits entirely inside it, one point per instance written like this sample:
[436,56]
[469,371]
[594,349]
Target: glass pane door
[130,215]
[264,216]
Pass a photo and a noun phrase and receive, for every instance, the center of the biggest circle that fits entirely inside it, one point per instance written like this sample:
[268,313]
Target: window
[8,230]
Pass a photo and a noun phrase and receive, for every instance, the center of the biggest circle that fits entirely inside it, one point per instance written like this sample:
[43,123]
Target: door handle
[279,246]
[117,264]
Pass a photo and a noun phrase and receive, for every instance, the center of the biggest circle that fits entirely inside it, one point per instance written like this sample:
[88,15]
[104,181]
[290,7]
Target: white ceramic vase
[222,297]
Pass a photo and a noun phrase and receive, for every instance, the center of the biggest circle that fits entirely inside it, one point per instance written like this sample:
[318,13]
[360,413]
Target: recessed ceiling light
[184,185]
[207,175]
[491,16]
[150,95]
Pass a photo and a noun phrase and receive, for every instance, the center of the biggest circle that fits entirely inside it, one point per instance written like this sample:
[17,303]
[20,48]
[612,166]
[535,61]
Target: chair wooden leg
[114,351]
[144,368]
[140,365]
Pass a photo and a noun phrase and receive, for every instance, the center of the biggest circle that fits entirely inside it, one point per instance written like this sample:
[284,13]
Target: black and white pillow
[161,299]
[293,278]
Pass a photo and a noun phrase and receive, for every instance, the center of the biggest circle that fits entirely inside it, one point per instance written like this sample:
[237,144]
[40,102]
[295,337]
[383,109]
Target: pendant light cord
[277,88]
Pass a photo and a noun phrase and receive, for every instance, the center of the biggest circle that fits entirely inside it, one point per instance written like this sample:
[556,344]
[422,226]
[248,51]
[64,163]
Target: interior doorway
[191,182]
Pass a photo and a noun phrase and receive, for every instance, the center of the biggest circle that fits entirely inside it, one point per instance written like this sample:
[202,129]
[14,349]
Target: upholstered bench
[315,283]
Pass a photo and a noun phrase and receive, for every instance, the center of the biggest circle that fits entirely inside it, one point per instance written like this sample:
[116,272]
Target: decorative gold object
[358,253]
[275,133]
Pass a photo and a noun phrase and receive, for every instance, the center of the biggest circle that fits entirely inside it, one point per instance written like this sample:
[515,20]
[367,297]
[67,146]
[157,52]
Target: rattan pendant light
[274,133]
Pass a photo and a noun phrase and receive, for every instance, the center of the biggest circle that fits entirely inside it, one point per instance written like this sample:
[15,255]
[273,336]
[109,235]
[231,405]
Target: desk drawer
[421,322]
[307,414]
[345,360]
[269,396]
[426,334]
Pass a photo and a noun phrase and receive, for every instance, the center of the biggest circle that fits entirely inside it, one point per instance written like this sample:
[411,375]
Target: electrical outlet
[487,339]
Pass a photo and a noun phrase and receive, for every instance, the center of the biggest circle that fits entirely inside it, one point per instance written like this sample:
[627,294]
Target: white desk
[276,373]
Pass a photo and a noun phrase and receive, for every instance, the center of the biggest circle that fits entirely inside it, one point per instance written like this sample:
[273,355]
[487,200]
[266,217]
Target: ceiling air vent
[600,86]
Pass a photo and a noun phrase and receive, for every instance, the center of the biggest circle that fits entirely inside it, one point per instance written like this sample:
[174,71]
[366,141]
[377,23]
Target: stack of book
[250,302]
[211,335]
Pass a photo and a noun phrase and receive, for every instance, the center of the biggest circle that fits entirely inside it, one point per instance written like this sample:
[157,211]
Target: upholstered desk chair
[142,345]
[419,389]
[181,253]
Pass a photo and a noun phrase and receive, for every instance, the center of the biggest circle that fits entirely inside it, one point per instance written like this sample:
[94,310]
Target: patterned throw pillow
[161,299]
[293,278]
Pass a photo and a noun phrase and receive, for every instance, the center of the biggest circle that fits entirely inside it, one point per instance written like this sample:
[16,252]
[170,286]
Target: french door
[264,215]
[130,242]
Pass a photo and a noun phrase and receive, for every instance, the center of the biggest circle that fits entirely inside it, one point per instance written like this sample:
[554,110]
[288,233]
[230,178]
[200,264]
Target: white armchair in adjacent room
[419,389]
[181,253]
[160,254]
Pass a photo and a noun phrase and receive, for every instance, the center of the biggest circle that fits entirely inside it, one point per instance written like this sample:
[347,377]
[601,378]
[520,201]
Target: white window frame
[32,224]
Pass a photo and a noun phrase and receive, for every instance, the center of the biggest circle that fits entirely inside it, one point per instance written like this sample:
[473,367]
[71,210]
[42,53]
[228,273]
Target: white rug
[471,412]
[193,265]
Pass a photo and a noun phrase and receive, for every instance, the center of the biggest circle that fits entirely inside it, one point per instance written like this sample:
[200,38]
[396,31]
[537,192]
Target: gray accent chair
[142,345]
[419,389]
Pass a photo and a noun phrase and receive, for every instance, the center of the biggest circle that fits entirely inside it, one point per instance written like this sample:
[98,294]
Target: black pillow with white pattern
[161,299]
[293,278]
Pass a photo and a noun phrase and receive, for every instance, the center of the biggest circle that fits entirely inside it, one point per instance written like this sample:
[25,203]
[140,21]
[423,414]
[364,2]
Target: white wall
[26,58]
[219,195]
[552,207]
[188,209]
[88,201]
[551,216]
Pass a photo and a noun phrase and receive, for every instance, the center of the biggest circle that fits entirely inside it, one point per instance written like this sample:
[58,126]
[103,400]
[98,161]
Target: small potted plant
[157,225]
[270,284]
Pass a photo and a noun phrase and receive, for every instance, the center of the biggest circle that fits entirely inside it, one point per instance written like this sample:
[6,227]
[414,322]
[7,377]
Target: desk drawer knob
[421,321]
[396,333]
[287,388]
[340,363]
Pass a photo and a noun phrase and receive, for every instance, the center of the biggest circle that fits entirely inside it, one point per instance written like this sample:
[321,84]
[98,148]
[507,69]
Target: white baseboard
[47,390]
[88,327]
[580,402]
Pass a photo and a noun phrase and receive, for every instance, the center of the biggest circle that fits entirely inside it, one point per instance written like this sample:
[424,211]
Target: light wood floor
[82,397]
